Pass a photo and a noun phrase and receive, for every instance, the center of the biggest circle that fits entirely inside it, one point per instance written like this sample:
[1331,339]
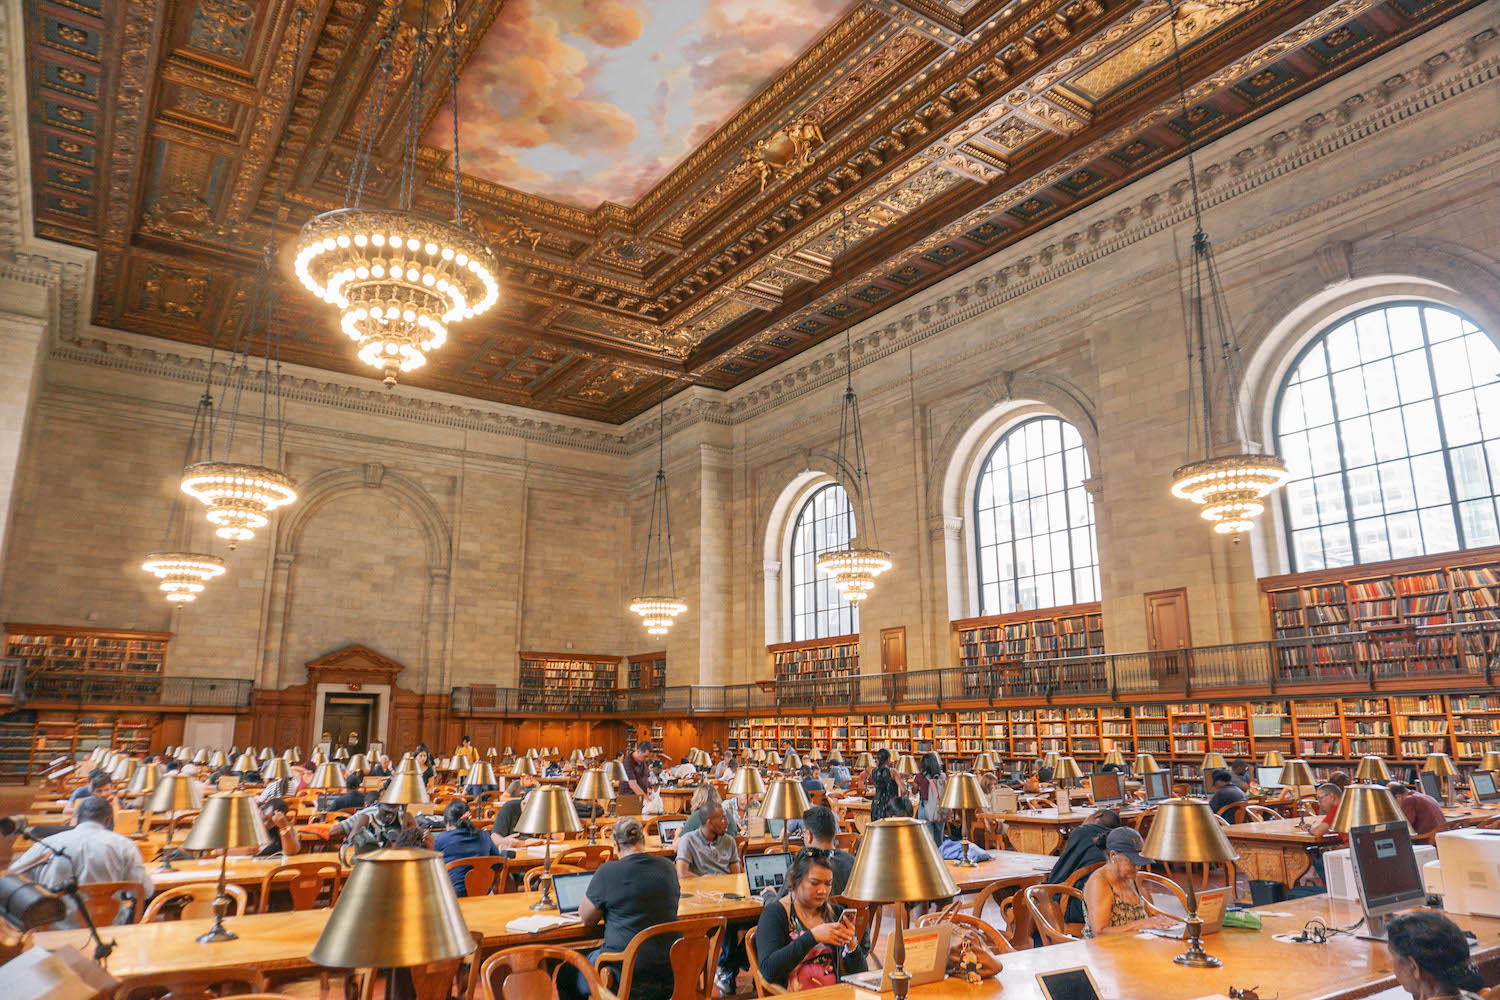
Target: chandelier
[855,568]
[399,278]
[1228,487]
[183,573]
[658,605]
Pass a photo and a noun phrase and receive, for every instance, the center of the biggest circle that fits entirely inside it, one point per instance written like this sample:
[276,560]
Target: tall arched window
[1390,423]
[1034,521]
[824,524]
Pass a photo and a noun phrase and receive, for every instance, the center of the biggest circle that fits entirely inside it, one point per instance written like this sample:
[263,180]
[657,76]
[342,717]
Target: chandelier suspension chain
[199,423]
[360,170]
[414,109]
[458,187]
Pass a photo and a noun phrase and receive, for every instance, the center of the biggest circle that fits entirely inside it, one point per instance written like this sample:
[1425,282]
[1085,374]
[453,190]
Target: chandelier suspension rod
[354,187]
[414,111]
[458,187]
[205,402]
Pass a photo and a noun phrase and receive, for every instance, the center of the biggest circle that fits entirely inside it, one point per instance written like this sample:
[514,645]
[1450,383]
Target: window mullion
[1437,410]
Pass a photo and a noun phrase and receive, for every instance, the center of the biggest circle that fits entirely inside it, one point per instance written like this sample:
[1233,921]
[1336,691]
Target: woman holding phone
[803,940]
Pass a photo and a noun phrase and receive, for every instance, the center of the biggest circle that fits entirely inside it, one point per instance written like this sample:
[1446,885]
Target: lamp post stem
[166,857]
[1195,957]
[900,978]
[545,903]
[218,932]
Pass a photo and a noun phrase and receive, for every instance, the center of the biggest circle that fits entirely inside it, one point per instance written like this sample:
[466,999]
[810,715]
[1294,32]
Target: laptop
[668,829]
[1483,785]
[570,889]
[767,871]
[1212,905]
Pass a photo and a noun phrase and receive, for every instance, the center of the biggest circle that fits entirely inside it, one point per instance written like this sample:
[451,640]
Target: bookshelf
[646,671]
[30,740]
[568,682]
[828,664]
[993,651]
[65,663]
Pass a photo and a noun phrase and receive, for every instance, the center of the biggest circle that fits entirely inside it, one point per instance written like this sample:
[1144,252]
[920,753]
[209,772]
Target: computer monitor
[1431,784]
[570,889]
[668,829]
[1107,789]
[1158,785]
[1385,872]
[1482,783]
[767,871]
[1268,777]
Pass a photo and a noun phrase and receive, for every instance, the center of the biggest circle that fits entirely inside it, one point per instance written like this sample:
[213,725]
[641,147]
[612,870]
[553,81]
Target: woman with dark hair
[883,786]
[803,940]
[462,839]
[1430,956]
[930,782]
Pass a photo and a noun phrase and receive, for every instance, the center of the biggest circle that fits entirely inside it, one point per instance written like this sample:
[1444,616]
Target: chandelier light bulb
[240,498]
[1230,488]
[183,574]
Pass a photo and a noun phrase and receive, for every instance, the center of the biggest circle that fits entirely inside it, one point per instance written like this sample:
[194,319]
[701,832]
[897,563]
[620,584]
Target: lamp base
[1198,960]
[964,861]
[218,933]
[545,903]
[900,982]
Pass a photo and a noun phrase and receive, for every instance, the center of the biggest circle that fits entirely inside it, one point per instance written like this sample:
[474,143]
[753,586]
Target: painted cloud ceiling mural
[592,100]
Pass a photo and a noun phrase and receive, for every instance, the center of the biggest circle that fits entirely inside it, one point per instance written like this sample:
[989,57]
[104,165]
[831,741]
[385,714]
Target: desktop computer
[1385,873]
[1470,863]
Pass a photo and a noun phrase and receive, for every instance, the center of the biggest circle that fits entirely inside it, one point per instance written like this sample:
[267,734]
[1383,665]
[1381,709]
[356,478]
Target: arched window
[1390,423]
[824,524]
[1034,521]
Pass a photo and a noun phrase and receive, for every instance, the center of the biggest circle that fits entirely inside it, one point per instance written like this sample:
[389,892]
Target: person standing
[884,788]
[637,771]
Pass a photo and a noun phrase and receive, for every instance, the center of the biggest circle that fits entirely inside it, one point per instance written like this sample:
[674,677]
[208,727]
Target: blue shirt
[461,843]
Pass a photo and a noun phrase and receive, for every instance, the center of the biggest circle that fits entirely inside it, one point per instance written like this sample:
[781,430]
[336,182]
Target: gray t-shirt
[705,857]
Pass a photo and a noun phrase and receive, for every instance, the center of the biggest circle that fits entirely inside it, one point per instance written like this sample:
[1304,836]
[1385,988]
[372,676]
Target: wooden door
[344,714]
[893,660]
[1167,629]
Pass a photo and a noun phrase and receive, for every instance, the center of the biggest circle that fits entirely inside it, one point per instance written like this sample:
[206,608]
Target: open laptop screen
[570,889]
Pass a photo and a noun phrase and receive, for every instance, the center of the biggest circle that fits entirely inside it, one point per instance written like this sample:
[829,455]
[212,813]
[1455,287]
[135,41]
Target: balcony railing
[12,674]
[1435,654]
[136,689]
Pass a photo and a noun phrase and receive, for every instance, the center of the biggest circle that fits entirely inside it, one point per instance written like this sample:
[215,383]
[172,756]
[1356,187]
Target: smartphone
[847,917]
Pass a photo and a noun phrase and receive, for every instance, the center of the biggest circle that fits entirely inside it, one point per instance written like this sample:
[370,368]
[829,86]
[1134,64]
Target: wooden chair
[304,882]
[763,987]
[484,875]
[586,856]
[533,879]
[694,957]
[436,980]
[999,942]
[197,984]
[102,900]
[1048,904]
[1001,889]
[1260,814]
[1016,916]
[1233,813]
[846,841]
[867,917]
[188,902]
[530,973]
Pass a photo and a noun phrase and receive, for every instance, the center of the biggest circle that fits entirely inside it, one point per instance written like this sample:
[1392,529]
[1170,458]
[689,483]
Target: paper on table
[535,923]
[921,952]
[1273,913]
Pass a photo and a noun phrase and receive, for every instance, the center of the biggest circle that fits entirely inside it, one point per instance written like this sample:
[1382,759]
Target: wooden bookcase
[993,651]
[817,669]
[66,663]
[568,682]
[30,740]
[646,671]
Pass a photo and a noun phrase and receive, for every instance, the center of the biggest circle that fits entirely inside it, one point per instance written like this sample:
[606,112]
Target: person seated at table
[95,853]
[374,826]
[1430,957]
[381,768]
[1329,795]
[809,783]
[1033,784]
[1110,768]
[705,795]
[658,776]
[839,772]
[554,769]
[277,788]
[352,797]
[708,850]
[725,768]
[737,810]
[278,820]
[1111,901]
[1084,847]
[521,785]
[1422,811]
[1340,778]
[462,839]
[1224,791]
[802,939]
[820,828]
[100,785]
[632,893]
[413,836]
[1244,777]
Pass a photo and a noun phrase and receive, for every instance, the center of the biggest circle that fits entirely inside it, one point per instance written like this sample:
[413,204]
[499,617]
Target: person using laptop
[710,850]
[634,892]
[1225,791]
[820,827]
[1422,811]
[1429,956]
[809,783]
[839,772]
[1112,903]
[802,939]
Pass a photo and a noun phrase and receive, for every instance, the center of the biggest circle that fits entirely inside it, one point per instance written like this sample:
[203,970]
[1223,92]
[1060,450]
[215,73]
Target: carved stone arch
[805,471]
[406,493]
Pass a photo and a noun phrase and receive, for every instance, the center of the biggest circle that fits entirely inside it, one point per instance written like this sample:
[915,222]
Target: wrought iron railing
[94,687]
[12,677]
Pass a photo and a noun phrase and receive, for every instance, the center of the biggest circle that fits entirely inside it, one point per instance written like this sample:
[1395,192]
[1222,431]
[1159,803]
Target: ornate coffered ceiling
[936,132]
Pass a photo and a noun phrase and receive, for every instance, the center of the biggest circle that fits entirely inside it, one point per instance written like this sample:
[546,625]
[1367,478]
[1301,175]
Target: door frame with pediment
[353,668]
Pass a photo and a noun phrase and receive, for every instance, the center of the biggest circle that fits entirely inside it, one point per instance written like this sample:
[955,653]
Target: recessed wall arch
[814,469]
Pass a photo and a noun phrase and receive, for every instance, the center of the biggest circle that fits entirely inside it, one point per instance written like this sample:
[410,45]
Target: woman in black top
[883,786]
[804,927]
[1429,955]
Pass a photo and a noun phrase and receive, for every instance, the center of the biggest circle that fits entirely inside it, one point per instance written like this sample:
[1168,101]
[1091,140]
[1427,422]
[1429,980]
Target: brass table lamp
[201,757]
[594,786]
[1050,759]
[1366,805]
[549,810]
[615,772]
[907,764]
[123,770]
[265,754]
[791,762]
[747,781]
[1296,775]
[962,792]
[175,792]
[274,770]
[319,757]
[359,762]
[245,764]
[863,761]
[1067,770]
[576,758]
[492,752]
[217,760]
[1186,831]
[142,783]
[329,777]
[835,757]
[405,788]
[1491,761]
[228,820]
[1371,770]
[815,754]
[1273,758]
[291,756]
[418,921]
[759,756]
[1115,757]
[785,800]
[899,863]
[527,766]
[1441,765]
[984,763]
[1211,760]
[481,773]
[341,754]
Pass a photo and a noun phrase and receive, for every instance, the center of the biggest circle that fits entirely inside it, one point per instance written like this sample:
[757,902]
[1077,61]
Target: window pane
[824,524]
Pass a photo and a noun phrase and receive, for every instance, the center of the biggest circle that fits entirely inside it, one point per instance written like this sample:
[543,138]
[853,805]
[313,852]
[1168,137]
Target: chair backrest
[1150,885]
[866,917]
[482,874]
[530,972]
[586,856]
[1016,916]
[1081,875]
[694,956]
[534,875]
[1260,814]
[192,901]
[304,882]
[194,984]
[435,980]
[102,900]
[992,937]
[1233,813]
[763,987]
[1048,904]
[846,841]
[1003,888]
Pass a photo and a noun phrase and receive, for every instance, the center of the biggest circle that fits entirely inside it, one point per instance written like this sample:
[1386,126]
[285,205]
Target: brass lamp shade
[704,760]
[791,761]
[759,756]
[492,752]
[174,792]
[1491,761]
[228,819]
[898,863]
[1297,774]
[747,781]
[408,765]
[144,780]
[246,763]
[298,752]
[275,768]
[785,799]
[614,771]
[1066,769]
[419,918]
[329,777]
[1366,805]
[1211,761]
[815,754]
[265,754]
[217,760]
[342,753]
[527,765]
[201,757]
[984,762]
[863,761]
[1440,764]
[319,757]
[405,788]
[834,757]
[359,762]
[1115,757]
[907,765]
[963,792]
[1372,770]
[548,810]
[481,772]
[509,752]
[1186,830]
[532,754]
[576,757]
[1050,759]
[594,786]
[1273,758]
[291,757]
[123,769]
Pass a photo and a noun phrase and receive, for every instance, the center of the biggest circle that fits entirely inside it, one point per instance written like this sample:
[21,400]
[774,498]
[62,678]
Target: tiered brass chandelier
[1230,488]
[854,568]
[399,278]
[658,605]
[183,572]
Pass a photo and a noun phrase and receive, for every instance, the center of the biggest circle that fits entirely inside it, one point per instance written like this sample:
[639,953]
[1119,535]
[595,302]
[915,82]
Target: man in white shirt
[725,768]
[95,853]
[684,770]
